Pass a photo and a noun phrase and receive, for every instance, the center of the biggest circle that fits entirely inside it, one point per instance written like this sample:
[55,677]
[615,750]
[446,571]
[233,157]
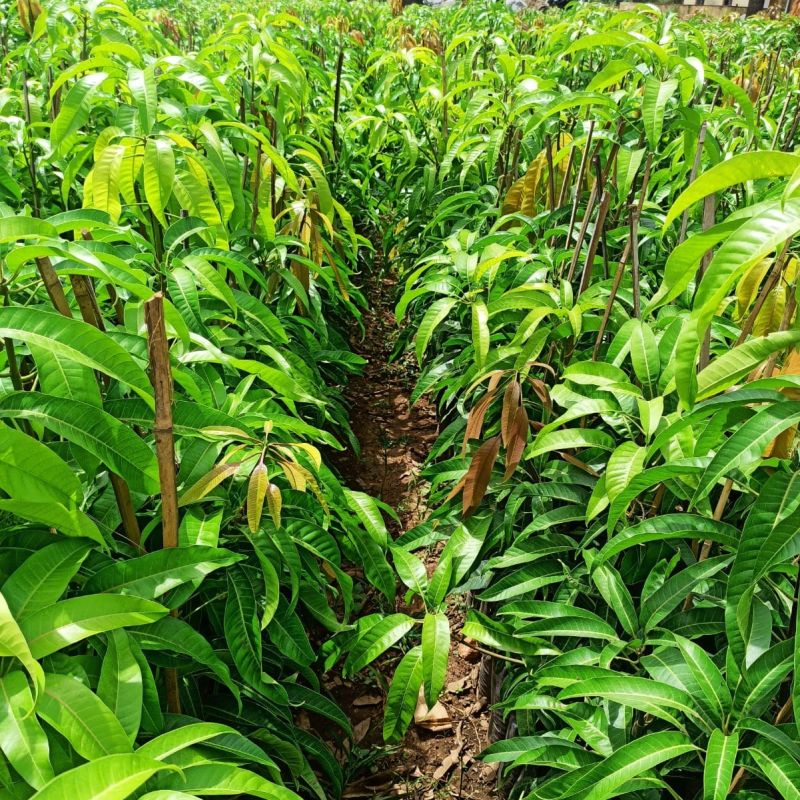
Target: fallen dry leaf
[368,700]
[458,686]
[361,729]
[468,653]
[449,761]
[434,719]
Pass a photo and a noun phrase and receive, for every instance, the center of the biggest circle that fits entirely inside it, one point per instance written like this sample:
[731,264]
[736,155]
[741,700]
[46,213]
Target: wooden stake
[161,378]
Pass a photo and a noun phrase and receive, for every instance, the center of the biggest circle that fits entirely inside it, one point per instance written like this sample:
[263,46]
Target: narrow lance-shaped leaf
[435,652]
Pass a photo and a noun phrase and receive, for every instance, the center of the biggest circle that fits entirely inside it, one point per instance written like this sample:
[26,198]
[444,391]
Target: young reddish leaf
[478,474]
[475,420]
[518,438]
[511,402]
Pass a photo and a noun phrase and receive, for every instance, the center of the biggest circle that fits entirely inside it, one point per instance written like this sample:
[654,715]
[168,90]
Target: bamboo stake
[161,378]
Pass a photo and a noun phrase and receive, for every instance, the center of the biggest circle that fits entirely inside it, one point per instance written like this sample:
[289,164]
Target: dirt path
[395,439]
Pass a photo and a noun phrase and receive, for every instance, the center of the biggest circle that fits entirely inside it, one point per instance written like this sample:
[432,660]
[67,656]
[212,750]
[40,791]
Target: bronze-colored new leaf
[475,419]
[256,492]
[517,439]
[478,475]
[512,400]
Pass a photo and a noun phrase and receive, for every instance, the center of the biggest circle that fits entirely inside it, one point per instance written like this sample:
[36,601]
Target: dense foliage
[591,214]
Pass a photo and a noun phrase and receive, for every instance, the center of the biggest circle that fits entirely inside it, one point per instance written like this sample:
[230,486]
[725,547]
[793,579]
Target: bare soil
[395,439]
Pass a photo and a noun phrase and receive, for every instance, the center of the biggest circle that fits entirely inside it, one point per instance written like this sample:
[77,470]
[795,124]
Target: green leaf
[54,627]
[120,685]
[708,684]
[174,635]
[142,83]
[654,103]
[480,332]
[569,439]
[44,576]
[77,341]
[434,316]
[242,632]
[402,698]
[317,703]
[376,568]
[158,174]
[769,537]
[651,697]
[410,569]
[112,777]
[157,573]
[376,641]
[368,512]
[644,354]
[91,428]
[603,780]
[166,745]
[674,591]
[744,449]
[14,645]
[74,112]
[225,779]
[106,181]
[667,527]
[719,766]
[69,521]
[489,632]
[614,591]
[738,169]
[435,653]
[22,740]
[778,767]
[733,365]
[31,469]
[82,718]
[623,465]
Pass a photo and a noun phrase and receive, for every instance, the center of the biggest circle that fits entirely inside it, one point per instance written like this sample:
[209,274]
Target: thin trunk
[709,213]
[623,261]
[594,242]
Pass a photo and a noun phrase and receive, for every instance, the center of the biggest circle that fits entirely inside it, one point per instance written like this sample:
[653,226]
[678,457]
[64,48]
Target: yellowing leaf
[256,492]
[747,289]
[274,501]
[208,482]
